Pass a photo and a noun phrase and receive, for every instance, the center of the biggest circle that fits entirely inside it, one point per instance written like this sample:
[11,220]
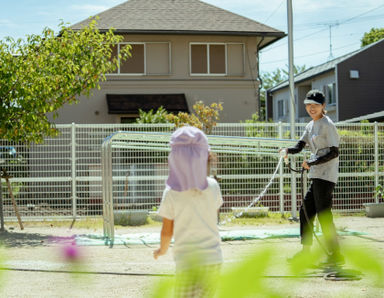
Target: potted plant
[130,217]
[376,209]
[258,211]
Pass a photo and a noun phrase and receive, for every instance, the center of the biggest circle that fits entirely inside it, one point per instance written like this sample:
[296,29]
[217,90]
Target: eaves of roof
[311,72]
[198,32]
[298,80]
[372,117]
[321,69]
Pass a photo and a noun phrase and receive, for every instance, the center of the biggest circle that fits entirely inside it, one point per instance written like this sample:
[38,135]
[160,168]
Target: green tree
[271,79]
[372,36]
[205,117]
[42,73]
[160,116]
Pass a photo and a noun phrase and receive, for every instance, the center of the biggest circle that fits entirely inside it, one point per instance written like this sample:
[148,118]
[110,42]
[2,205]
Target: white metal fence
[62,177]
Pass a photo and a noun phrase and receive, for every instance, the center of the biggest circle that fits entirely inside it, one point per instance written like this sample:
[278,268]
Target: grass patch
[337,214]
[271,218]
[89,223]
[83,223]
[96,223]
[154,223]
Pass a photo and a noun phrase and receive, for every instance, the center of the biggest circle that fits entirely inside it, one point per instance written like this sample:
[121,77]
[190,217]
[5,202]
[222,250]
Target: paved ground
[35,256]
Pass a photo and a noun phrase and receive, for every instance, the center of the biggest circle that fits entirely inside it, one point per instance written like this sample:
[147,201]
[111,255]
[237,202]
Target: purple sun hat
[188,159]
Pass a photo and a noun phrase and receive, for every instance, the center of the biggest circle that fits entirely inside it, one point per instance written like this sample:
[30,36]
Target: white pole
[376,159]
[1,206]
[281,175]
[73,167]
[292,105]
[291,69]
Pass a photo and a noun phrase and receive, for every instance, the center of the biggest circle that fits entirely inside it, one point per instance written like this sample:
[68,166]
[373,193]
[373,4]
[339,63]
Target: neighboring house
[353,86]
[378,117]
[182,51]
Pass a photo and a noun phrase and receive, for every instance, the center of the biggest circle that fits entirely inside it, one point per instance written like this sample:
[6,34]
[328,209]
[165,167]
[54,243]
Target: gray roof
[313,71]
[322,68]
[178,17]
[378,116]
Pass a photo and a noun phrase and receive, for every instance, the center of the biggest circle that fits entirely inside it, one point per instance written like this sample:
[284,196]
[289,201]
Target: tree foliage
[205,117]
[42,73]
[372,36]
[160,116]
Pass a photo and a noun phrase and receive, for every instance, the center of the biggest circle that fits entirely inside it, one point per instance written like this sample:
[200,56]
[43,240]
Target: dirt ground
[36,267]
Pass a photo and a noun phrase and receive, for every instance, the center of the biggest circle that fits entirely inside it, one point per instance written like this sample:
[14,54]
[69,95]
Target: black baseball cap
[314,96]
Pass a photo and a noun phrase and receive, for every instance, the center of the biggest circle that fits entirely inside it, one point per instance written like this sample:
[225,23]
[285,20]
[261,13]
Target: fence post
[376,160]
[281,173]
[293,188]
[1,206]
[73,168]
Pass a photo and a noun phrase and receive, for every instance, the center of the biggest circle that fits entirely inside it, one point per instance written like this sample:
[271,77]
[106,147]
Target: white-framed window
[207,59]
[148,58]
[235,59]
[330,93]
[136,63]
[281,108]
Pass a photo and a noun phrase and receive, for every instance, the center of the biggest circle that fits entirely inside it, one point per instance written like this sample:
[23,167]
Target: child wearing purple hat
[189,209]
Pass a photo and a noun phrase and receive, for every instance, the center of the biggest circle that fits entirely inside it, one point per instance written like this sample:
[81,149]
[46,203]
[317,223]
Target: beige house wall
[237,90]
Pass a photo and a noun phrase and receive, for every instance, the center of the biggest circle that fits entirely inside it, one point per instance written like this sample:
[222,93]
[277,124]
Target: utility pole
[291,68]
[292,105]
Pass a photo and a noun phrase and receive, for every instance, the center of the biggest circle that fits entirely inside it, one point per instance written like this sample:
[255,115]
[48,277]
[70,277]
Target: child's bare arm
[166,237]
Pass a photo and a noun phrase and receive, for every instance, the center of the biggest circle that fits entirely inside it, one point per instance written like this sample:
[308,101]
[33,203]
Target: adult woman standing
[323,140]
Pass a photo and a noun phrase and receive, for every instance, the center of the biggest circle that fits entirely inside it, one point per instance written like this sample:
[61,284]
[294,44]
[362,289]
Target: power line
[345,21]
[308,55]
[339,23]
[299,38]
[312,26]
[278,7]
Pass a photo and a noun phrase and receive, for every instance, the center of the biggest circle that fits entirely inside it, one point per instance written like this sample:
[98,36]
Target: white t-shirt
[195,223]
[320,135]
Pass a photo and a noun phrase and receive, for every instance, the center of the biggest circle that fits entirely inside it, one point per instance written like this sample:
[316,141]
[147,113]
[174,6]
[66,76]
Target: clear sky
[312,19]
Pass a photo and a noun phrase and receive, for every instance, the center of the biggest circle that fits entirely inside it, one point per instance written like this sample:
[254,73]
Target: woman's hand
[283,152]
[305,165]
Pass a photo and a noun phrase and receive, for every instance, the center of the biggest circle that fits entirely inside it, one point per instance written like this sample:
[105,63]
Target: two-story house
[353,86]
[182,51]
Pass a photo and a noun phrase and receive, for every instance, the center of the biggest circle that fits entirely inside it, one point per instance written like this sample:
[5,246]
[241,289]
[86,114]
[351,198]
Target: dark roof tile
[177,16]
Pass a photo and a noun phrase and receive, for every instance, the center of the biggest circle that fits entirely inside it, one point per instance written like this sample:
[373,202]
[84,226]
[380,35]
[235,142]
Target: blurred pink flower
[71,252]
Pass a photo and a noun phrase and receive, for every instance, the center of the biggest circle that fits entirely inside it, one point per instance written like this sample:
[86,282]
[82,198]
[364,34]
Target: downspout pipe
[258,75]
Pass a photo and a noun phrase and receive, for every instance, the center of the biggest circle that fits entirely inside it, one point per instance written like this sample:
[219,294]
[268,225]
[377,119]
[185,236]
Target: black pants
[318,201]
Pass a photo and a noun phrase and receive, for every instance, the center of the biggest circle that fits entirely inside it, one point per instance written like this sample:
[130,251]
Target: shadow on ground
[20,239]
